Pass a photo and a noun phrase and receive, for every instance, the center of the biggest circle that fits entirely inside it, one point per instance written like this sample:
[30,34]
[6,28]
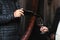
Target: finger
[22,14]
[41,29]
[21,11]
[45,30]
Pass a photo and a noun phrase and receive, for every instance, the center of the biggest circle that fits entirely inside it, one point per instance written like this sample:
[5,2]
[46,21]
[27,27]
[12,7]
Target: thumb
[21,8]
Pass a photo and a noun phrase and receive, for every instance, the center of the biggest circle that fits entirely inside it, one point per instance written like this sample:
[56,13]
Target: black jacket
[36,33]
[6,12]
[55,21]
[8,24]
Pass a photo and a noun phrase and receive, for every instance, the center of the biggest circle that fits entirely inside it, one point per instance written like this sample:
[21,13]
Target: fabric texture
[9,26]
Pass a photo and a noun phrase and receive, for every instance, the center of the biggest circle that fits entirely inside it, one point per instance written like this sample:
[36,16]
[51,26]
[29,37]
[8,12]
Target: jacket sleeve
[6,14]
[4,18]
[55,21]
[40,21]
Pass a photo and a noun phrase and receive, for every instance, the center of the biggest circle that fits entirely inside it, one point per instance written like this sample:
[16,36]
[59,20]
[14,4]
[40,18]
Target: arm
[55,24]
[4,18]
[56,20]
[6,15]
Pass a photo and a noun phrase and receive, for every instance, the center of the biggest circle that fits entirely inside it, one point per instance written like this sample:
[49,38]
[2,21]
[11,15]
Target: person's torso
[8,7]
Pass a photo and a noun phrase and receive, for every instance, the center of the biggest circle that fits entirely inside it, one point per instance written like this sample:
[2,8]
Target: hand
[18,12]
[43,29]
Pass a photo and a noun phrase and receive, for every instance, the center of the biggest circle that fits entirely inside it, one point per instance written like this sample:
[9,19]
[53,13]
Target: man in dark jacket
[9,20]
